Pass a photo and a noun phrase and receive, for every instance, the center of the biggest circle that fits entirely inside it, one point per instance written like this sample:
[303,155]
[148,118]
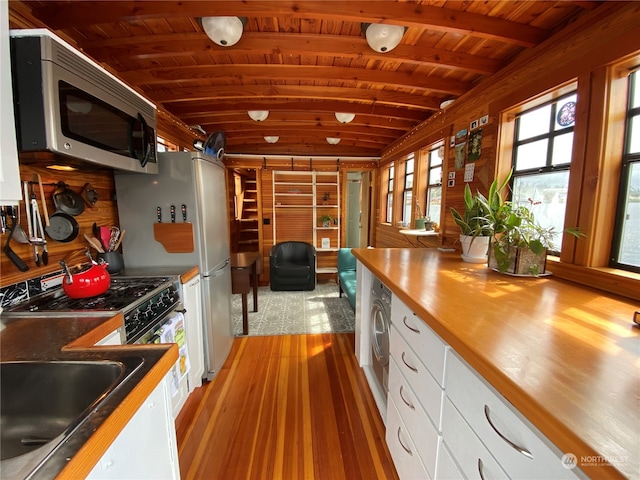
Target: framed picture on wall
[475,145]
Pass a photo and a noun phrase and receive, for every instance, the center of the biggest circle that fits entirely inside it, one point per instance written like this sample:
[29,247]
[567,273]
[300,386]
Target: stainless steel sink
[42,403]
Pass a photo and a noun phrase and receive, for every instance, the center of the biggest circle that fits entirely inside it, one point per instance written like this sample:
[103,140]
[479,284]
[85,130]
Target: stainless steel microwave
[67,104]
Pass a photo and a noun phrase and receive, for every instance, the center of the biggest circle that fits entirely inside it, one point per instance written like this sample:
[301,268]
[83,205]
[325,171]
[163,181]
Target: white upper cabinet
[9,167]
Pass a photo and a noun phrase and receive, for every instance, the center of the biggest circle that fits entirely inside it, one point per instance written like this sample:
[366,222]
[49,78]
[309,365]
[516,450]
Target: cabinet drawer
[521,450]
[471,455]
[402,447]
[420,426]
[430,347]
[447,468]
[425,388]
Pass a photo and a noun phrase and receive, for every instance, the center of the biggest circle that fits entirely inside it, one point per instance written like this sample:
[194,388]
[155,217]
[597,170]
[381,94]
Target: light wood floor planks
[285,407]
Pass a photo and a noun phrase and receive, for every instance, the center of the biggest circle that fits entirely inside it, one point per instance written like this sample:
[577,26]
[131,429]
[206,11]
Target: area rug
[287,313]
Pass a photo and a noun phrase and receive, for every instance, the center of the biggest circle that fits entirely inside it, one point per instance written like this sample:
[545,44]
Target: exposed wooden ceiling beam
[370,96]
[213,107]
[247,72]
[284,44]
[399,13]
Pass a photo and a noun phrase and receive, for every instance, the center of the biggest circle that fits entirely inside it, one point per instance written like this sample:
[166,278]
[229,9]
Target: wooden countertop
[566,356]
[73,338]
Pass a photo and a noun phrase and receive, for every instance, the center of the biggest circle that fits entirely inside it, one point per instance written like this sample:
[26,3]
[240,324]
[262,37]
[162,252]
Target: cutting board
[175,237]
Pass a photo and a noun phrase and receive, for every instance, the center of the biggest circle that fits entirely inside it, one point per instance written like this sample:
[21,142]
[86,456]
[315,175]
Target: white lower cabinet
[402,447]
[114,338]
[447,468]
[192,301]
[147,447]
[518,447]
[414,411]
[418,427]
[472,457]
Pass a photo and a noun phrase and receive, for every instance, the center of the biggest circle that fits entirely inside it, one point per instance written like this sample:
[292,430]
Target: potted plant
[475,228]
[422,221]
[325,220]
[519,243]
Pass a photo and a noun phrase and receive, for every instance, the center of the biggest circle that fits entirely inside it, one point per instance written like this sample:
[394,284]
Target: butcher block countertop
[566,356]
[73,338]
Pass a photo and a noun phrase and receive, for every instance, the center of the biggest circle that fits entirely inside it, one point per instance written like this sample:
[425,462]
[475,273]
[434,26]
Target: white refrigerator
[196,181]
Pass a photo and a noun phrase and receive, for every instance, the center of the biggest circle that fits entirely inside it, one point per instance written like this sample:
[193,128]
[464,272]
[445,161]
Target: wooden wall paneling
[596,167]
[266,189]
[104,213]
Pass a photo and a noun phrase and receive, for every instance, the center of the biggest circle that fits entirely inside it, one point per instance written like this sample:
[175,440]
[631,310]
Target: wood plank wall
[105,212]
[301,228]
[581,50]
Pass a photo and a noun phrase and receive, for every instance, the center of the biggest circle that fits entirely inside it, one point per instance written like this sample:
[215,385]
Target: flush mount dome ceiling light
[258,115]
[225,31]
[333,140]
[446,103]
[381,37]
[345,117]
[271,138]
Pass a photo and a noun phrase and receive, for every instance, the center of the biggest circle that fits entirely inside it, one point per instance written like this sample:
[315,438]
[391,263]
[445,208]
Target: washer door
[379,333]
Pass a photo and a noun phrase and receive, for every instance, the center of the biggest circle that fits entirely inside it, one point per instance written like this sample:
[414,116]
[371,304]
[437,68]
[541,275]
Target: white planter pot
[474,250]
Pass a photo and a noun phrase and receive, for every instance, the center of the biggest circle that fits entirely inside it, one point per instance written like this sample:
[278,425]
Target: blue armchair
[347,275]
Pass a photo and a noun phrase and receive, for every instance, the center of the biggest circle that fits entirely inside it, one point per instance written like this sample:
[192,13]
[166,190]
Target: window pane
[435,176]
[550,189]
[535,122]
[434,200]
[635,101]
[406,207]
[409,168]
[434,158]
[408,181]
[532,155]
[389,206]
[566,112]
[634,140]
[630,243]
[562,148]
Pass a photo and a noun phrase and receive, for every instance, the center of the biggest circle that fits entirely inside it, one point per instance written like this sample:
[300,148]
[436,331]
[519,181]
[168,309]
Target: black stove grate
[121,295]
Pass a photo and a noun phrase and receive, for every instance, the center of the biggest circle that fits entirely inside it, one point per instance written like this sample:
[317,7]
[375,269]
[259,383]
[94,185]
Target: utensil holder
[114,260]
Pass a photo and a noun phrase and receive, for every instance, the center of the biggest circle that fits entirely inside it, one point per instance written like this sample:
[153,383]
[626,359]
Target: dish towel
[174,332]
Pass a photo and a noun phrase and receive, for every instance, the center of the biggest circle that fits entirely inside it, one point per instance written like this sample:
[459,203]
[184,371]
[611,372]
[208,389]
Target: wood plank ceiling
[302,61]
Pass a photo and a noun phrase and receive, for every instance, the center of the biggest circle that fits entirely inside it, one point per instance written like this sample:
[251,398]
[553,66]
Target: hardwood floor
[285,407]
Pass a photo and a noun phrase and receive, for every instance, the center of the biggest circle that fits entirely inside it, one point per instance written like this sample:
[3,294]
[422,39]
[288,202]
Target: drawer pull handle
[413,369]
[414,330]
[403,445]
[480,469]
[408,404]
[518,448]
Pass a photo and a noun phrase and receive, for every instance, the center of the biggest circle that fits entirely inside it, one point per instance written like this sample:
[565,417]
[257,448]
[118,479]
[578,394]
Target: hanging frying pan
[62,227]
[67,201]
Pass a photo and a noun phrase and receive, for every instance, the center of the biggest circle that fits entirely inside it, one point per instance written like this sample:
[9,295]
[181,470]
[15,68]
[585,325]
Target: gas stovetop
[144,301]
[123,294]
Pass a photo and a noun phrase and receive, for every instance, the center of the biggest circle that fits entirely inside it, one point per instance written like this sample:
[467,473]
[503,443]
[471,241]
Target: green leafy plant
[514,226]
[325,218]
[473,221]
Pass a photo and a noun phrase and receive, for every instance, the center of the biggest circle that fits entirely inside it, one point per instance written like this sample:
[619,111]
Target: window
[407,192]
[434,183]
[626,238]
[389,217]
[543,146]
[164,145]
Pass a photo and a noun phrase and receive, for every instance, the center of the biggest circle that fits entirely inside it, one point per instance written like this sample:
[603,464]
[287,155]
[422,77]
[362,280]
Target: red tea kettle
[84,280]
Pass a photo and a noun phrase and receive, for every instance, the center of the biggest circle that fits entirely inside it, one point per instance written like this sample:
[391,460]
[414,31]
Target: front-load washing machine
[380,323]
